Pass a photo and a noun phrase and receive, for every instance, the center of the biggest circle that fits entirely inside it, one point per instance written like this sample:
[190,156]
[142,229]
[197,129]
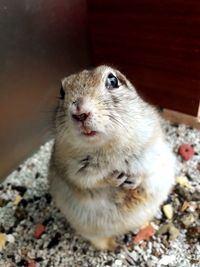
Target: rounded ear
[121,77]
[62,92]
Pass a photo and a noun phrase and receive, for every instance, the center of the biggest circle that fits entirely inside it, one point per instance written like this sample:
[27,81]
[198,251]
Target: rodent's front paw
[117,178]
[132,182]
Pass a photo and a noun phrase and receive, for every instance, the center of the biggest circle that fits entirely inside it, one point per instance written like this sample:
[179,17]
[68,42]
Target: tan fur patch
[127,199]
[81,194]
[103,183]
[111,244]
[107,243]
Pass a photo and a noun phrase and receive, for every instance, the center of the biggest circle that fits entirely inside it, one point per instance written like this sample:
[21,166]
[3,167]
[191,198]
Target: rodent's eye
[111,82]
[62,93]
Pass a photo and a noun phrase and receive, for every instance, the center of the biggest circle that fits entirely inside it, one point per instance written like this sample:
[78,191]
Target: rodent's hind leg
[103,243]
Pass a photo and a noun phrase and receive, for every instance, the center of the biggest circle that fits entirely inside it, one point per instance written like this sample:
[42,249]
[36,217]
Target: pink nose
[81,117]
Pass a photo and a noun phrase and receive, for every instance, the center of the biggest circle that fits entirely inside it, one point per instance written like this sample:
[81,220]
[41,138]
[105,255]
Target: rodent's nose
[81,117]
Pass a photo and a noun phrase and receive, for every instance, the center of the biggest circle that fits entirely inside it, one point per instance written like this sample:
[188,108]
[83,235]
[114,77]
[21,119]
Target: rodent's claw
[121,179]
[132,182]
[117,178]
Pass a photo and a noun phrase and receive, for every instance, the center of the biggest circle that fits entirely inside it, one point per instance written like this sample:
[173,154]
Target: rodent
[110,168]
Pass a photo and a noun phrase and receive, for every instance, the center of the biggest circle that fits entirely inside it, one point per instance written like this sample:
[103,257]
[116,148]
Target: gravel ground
[34,233]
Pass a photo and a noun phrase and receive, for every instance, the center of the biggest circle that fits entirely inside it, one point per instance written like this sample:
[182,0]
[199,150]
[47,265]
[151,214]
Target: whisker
[117,122]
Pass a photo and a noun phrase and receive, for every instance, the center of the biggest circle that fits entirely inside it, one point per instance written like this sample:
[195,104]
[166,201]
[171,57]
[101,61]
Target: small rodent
[110,168]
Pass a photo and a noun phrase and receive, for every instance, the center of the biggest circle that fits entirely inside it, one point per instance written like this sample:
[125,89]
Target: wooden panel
[40,43]
[178,117]
[156,43]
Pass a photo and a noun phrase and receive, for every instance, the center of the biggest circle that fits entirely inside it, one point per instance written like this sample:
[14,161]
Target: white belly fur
[99,216]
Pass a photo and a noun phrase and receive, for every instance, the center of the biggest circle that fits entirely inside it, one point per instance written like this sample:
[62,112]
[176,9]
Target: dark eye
[62,93]
[111,81]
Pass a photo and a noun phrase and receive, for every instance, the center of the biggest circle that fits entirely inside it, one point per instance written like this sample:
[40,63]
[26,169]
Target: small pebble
[10,238]
[118,263]
[192,207]
[170,229]
[188,219]
[193,233]
[54,241]
[109,263]
[19,168]
[3,202]
[198,166]
[134,255]
[183,182]
[126,239]
[166,260]
[20,213]
[3,239]
[168,211]
[20,189]
[22,263]
[173,232]
[185,206]
[38,259]
[17,200]
[183,193]
[37,175]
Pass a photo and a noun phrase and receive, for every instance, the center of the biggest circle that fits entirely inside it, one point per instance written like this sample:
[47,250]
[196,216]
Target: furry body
[86,173]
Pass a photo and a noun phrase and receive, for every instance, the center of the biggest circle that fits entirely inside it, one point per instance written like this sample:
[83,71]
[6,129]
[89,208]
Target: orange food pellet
[186,151]
[32,264]
[144,234]
[39,230]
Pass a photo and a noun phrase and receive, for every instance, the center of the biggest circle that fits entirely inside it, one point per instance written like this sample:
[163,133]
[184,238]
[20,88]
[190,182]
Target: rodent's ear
[62,92]
[121,78]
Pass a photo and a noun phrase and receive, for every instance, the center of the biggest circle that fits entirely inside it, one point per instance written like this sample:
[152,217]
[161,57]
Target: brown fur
[114,181]
[128,199]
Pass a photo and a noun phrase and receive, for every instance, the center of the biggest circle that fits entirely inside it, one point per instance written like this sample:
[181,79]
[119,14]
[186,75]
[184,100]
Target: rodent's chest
[94,163]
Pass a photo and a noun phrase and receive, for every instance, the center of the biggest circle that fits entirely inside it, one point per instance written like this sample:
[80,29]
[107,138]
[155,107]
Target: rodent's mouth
[92,133]
[88,132]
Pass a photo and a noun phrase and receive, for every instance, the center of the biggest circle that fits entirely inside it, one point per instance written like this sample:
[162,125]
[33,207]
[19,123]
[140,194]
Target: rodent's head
[96,106]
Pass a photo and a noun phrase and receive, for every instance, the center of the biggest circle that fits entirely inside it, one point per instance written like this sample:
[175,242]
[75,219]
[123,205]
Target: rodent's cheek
[71,109]
[100,123]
